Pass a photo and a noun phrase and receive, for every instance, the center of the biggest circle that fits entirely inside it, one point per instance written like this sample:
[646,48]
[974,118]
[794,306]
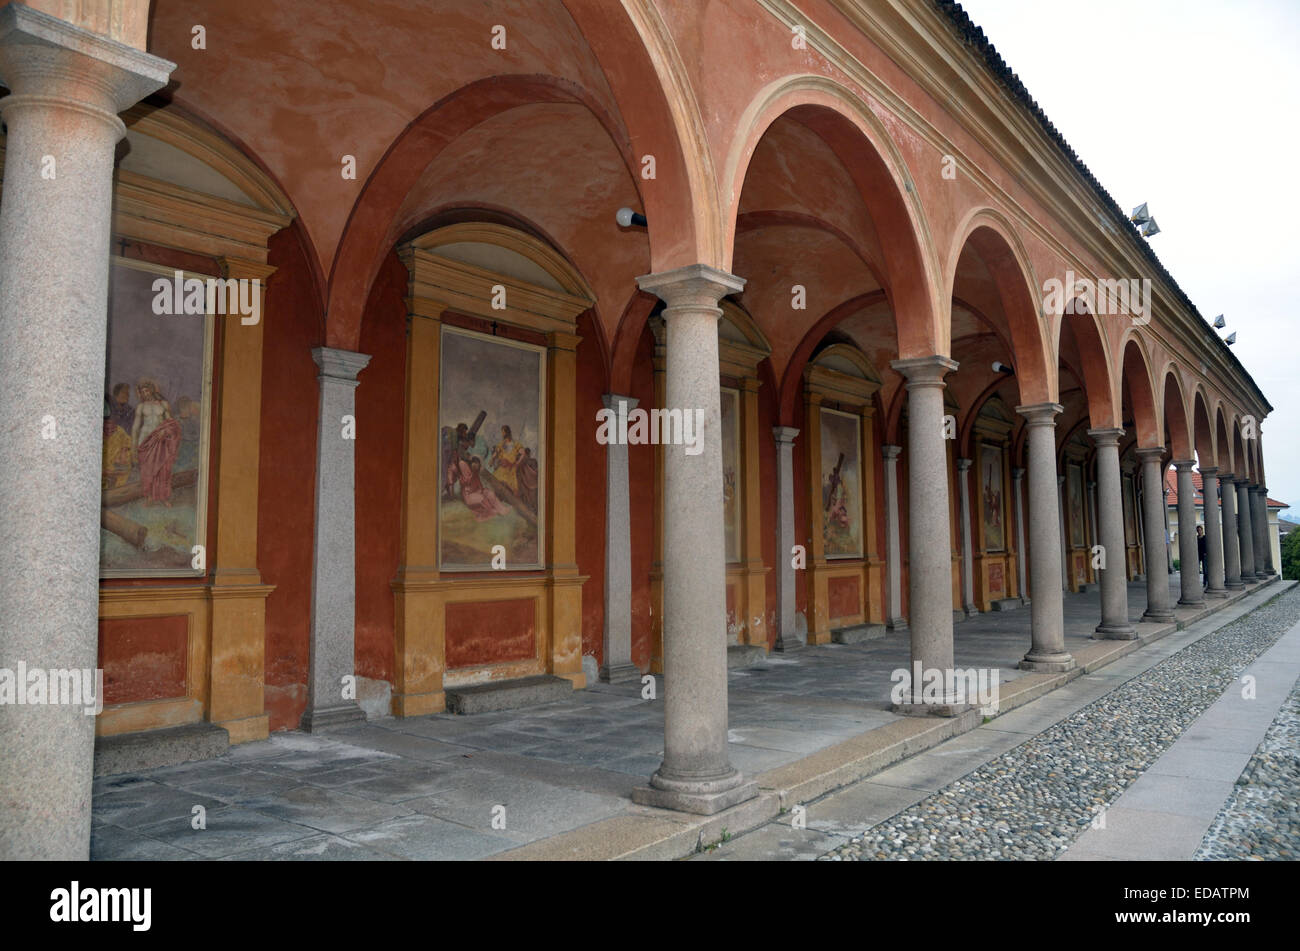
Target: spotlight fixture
[626,218]
[1003,368]
[1219,322]
[1150,229]
[1140,215]
[1231,338]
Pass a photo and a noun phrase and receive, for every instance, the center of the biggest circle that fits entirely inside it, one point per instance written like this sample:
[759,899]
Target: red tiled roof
[1171,483]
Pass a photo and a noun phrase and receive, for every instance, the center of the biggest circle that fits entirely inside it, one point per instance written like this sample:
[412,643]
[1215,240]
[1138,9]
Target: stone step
[133,752]
[1008,604]
[507,694]
[859,633]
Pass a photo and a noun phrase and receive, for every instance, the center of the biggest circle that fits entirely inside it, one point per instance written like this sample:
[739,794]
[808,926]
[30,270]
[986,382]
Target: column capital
[890,452]
[1209,471]
[47,61]
[1225,476]
[1106,437]
[695,285]
[784,435]
[611,400]
[1244,480]
[341,366]
[924,371]
[1040,414]
[964,464]
[1152,454]
[1184,465]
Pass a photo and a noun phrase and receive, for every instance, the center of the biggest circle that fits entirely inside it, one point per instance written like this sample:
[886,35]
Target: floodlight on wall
[1003,368]
[1231,338]
[1150,229]
[1219,322]
[1140,215]
[626,218]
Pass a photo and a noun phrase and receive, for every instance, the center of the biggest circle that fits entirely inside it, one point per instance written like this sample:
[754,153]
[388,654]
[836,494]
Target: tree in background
[1291,556]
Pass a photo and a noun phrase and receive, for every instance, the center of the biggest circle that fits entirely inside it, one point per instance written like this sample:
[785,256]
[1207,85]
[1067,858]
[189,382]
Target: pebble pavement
[1261,819]
[1033,801]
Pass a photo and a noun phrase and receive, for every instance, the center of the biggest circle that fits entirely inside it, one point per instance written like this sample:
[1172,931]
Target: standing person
[1200,555]
[155,442]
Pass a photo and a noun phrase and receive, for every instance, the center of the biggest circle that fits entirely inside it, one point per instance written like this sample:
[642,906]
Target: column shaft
[929,550]
[895,620]
[967,552]
[1155,551]
[1259,531]
[617,665]
[788,636]
[1113,575]
[1189,563]
[66,87]
[1246,532]
[334,570]
[1231,547]
[1022,556]
[1214,574]
[696,774]
[1047,621]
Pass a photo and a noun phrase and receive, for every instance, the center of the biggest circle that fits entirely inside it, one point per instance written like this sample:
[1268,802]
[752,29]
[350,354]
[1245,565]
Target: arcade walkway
[430,787]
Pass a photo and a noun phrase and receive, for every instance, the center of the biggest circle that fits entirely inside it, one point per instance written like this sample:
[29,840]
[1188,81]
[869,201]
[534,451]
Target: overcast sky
[1191,106]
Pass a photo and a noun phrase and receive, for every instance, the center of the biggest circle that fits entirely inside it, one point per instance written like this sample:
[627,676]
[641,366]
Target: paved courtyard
[449,787]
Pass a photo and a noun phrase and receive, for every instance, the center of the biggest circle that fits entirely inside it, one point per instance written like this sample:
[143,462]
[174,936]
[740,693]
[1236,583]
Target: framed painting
[157,409]
[491,404]
[731,476]
[992,502]
[841,478]
[1074,492]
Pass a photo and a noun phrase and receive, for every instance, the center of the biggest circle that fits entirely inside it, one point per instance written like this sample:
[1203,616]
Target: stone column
[1246,532]
[929,549]
[696,774]
[1259,531]
[1214,575]
[967,552]
[788,637]
[1110,512]
[1060,517]
[1092,513]
[1021,555]
[1046,618]
[1159,607]
[1266,531]
[618,666]
[1189,571]
[893,540]
[1231,548]
[67,86]
[334,570]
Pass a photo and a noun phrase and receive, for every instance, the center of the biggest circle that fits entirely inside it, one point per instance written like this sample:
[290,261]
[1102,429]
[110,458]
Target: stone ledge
[507,694]
[744,655]
[150,749]
[859,633]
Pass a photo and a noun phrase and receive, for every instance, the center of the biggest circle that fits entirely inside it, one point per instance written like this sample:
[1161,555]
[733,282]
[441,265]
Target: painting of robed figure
[157,399]
[993,505]
[491,459]
[841,478]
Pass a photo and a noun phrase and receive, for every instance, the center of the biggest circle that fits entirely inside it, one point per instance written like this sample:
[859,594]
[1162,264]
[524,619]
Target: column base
[1233,585]
[619,673]
[1057,663]
[324,718]
[701,797]
[896,624]
[1159,617]
[1215,593]
[1115,632]
[1198,603]
[786,644]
